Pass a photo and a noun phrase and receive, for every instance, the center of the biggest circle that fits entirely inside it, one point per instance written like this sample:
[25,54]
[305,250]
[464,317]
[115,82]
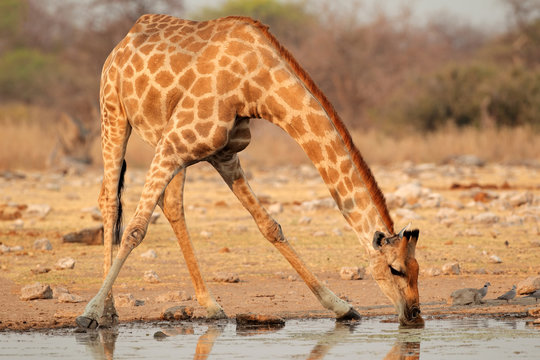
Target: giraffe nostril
[415,311]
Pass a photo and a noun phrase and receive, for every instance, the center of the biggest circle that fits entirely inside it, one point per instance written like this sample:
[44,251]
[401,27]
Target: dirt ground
[447,209]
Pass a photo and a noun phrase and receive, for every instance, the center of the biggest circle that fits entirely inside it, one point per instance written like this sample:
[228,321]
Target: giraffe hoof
[85,322]
[217,315]
[350,315]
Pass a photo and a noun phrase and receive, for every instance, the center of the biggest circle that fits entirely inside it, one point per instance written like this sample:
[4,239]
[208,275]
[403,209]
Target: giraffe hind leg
[173,208]
[231,171]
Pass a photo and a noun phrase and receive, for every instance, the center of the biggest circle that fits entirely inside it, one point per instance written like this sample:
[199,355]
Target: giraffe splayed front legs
[189,89]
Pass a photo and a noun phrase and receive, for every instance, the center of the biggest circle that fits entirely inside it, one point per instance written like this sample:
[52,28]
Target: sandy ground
[446,210]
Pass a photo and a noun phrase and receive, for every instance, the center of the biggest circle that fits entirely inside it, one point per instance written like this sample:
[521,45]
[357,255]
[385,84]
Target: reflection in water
[101,343]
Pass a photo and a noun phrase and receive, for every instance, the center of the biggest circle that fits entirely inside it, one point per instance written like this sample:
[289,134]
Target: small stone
[319,233]
[337,232]
[69,298]
[407,214]
[38,210]
[304,220]
[59,290]
[241,228]
[150,254]
[411,192]
[154,217]
[36,291]
[472,232]
[151,276]
[89,236]
[18,224]
[521,199]
[276,208]
[451,268]
[177,313]
[248,320]
[39,269]
[227,277]
[326,203]
[224,250]
[65,263]
[160,335]
[206,234]
[52,186]
[139,302]
[352,273]
[173,296]
[465,297]
[433,271]
[495,259]
[480,271]
[94,213]
[124,300]
[529,285]
[486,218]
[42,244]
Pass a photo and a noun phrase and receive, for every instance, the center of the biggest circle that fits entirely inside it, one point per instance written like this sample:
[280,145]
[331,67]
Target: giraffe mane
[365,172]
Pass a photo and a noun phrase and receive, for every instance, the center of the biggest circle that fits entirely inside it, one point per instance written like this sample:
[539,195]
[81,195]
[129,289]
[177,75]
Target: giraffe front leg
[173,208]
[232,173]
[161,172]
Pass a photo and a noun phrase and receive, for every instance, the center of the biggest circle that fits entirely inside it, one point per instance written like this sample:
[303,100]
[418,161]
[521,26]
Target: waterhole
[374,338]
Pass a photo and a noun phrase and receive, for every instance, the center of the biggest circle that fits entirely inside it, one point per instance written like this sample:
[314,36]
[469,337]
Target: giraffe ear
[378,240]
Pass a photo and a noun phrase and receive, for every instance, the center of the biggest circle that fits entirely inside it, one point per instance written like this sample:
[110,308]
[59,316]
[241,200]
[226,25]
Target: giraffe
[190,89]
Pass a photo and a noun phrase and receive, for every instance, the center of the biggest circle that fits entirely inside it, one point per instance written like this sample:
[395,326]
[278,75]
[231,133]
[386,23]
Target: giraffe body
[189,89]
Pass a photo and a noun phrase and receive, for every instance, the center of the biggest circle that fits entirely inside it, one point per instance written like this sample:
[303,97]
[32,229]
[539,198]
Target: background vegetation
[387,76]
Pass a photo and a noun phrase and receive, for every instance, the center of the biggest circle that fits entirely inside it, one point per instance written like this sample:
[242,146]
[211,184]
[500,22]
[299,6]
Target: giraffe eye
[396,272]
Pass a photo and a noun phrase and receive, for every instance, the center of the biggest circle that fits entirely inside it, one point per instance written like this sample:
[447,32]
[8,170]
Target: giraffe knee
[274,233]
[134,236]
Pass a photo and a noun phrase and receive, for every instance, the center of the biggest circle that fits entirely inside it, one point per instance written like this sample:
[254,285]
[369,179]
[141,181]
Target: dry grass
[28,136]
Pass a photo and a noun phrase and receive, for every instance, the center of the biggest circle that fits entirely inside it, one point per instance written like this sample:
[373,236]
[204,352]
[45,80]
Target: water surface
[374,338]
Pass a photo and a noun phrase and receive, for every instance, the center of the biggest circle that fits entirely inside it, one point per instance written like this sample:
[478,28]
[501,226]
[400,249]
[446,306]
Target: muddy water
[375,338]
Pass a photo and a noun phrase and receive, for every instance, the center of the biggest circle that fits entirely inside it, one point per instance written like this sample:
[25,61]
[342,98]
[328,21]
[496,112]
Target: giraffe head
[395,269]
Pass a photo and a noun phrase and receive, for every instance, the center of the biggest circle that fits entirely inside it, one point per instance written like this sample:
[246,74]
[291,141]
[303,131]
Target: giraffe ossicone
[189,89]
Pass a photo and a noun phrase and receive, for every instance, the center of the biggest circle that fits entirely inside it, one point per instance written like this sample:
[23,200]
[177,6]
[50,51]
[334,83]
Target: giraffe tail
[117,229]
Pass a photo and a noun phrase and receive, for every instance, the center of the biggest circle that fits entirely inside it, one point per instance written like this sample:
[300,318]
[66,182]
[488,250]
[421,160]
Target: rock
[480,271]
[472,232]
[276,208]
[37,210]
[151,276]
[173,296]
[154,217]
[326,203]
[7,249]
[393,201]
[319,233]
[521,199]
[495,259]
[433,271]
[59,290]
[150,254]
[305,220]
[177,313]
[529,285]
[468,160]
[227,277]
[446,213]
[124,300]
[69,298]
[485,218]
[39,269]
[337,232]
[352,273]
[206,234]
[36,291]
[514,220]
[42,244]
[139,302]
[18,224]
[534,312]
[410,192]
[249,320]
[407,214]
[451,268]
[94,213]
[465,297]
[432,200]
[65,263]
[89,236]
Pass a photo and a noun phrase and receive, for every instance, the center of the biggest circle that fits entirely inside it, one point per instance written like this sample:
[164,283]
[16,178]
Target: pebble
[151,276]
[42,244]
[319,233]
[433,271]
[70,298]
[275,209]
[305,220]
[226,277]
[7,249]
[352,273]
[485,218]
[407,214]
[124,300]
[495,259]
[529,285]
[65,263]
[326,203]
[451,268]
[36,291]
[58,290]
[150,254]
[206,234]
[177,313]
[38,210]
